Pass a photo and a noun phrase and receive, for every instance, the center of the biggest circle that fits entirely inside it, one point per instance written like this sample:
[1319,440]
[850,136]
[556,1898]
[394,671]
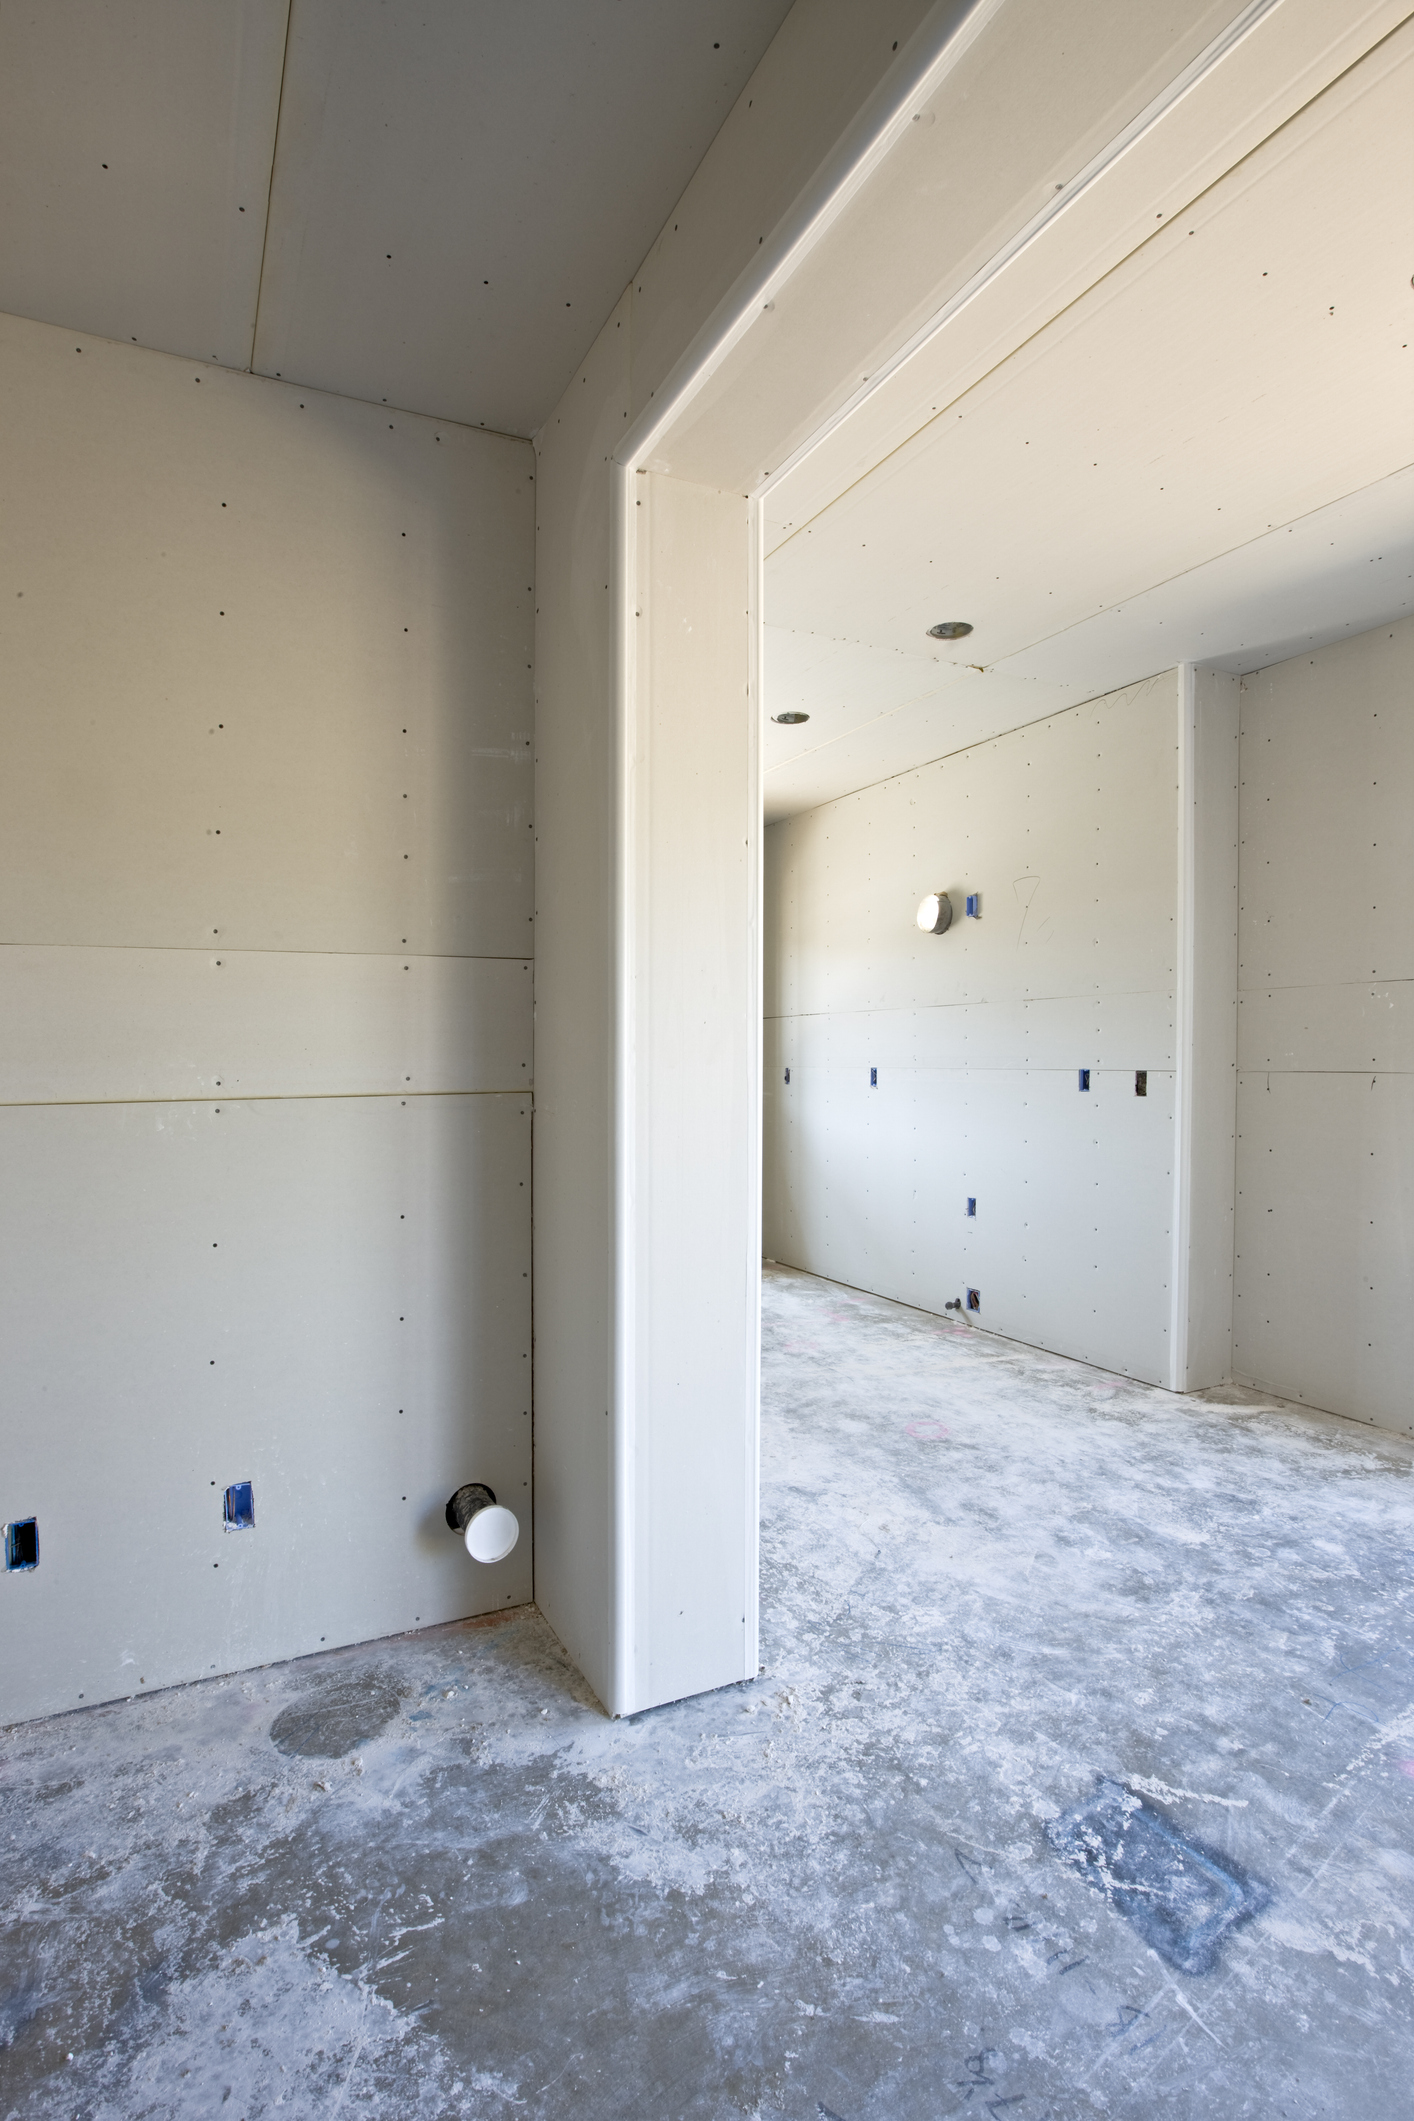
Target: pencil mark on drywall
[1029,931]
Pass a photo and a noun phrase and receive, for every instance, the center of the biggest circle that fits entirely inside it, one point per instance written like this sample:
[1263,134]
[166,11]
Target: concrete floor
[857,1888]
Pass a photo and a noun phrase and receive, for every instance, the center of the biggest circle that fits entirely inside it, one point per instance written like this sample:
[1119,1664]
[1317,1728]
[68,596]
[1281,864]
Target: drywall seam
[251,1097]
[269,193]
[464,957]
[1183,974]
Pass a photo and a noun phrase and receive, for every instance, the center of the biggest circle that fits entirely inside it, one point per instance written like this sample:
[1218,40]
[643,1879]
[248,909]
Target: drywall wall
[926,1070]
[1325,1151]
[265,1031]
[646,1542]
[595,1498]
[691,997]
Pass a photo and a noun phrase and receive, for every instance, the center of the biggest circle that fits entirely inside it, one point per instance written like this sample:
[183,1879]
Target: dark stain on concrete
[1182,1898]
[336,1716]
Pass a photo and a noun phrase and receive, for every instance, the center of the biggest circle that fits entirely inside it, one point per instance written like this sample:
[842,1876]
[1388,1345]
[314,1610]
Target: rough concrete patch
[337,1715]
[1180,1897]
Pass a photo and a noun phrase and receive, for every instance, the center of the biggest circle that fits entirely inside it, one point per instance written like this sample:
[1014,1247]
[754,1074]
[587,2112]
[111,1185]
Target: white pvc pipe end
[491,1533]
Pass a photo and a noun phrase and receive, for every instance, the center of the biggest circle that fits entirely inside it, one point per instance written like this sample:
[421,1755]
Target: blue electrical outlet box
[873,1078]
[974,905]
[1085,1078]
[238,1507]
[22,1544]
[972,1204]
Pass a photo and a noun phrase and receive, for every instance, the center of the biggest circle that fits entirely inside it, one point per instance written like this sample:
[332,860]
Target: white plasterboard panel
[1325,1208]
[882,1182]
[1136,1030]
[992,1171]
[1205,1016]
[574,1025]
[811,83]
[1281,64]
[1048,1289]
[1064,829]
[1327,766]
[1130,1306]
[1031,1166]
[327,1297]
[1028,98]
[1335,572]
[945,1038]
[461,192]
[886,1039]
[848,745]
[268,655]
[978,1035]
[777,1182]
[838,684]
[692,1005]
[1123,445]
[1325,1181]
[80,1025]
[1121,449]
[1333,1030]
[1053,1033]
[135,152]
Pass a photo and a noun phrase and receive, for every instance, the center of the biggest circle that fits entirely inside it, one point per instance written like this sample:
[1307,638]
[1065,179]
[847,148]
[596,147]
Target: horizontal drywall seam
[1336,986]
[432,957]
[979,1001]
[253,1097]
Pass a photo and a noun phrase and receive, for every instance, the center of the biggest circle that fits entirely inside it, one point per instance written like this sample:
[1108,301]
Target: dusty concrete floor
[990,1578]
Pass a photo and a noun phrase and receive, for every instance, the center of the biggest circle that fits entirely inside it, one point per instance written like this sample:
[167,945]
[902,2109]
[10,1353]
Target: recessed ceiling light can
[790,719]
[950,629]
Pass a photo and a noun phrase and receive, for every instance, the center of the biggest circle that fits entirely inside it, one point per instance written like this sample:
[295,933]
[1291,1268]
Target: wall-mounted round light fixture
[935,913]
[950,630]
[790,719]
[487,1527]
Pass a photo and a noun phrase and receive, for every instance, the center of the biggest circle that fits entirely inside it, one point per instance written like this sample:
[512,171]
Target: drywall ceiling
[1195,459]
[432,203]
[877,711]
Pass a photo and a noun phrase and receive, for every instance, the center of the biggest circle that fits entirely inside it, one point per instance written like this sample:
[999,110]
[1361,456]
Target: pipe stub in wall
[488,1528]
